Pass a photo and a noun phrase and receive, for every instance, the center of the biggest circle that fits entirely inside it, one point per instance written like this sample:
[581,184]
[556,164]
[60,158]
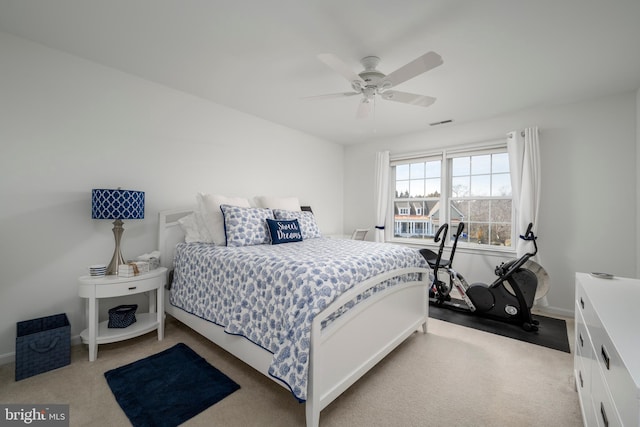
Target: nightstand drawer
[133,287]
[115,286]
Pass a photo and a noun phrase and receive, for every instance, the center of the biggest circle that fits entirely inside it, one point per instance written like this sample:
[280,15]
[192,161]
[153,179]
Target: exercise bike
[509,298]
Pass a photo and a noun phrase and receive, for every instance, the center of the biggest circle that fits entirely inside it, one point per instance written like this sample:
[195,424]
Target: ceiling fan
[371,82]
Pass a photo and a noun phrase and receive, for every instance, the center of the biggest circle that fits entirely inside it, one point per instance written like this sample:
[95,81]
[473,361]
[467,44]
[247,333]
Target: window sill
[461,248]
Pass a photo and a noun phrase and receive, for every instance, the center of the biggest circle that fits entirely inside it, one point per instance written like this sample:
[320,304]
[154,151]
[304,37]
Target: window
[417,192]
[473,186]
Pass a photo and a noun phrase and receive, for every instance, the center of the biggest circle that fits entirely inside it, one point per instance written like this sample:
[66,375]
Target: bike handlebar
[455,242]
[460,229]
[529,236]
[444,227]
[528,229]
[513,266]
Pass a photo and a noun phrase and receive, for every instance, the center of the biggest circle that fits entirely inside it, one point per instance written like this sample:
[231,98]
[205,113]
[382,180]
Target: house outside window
[468,185]
[417,187]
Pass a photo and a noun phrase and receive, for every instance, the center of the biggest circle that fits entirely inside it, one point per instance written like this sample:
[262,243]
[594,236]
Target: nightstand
[94,288]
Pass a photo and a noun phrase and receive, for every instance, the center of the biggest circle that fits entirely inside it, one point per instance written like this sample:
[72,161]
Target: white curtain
[381,196]
[524,163]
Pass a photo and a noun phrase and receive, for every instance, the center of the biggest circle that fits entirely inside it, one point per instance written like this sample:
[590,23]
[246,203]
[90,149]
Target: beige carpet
[453,376]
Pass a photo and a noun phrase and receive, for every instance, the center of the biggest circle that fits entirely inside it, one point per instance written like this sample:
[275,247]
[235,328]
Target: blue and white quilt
[271,293]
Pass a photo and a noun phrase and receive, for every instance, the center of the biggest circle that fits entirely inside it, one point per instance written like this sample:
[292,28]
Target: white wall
[68,125]
[589,176]
[638,182]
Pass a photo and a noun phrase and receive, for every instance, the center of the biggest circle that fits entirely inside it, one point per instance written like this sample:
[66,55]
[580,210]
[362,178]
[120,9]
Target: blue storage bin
[42,345]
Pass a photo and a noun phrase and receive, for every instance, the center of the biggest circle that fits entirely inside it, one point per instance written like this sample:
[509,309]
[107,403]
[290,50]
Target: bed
[345,334]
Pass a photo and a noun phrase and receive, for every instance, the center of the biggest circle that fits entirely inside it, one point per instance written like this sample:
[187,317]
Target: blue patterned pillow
[284,231]
[246,226]
[307,221]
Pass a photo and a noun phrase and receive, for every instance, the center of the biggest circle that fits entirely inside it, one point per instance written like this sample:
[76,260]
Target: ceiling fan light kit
[371,82]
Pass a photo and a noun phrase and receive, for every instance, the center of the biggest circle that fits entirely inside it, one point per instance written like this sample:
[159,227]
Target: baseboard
[555,312]
[11,357]
[7,358]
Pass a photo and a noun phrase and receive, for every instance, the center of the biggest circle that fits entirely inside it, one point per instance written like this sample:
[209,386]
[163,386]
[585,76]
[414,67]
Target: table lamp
[117,205]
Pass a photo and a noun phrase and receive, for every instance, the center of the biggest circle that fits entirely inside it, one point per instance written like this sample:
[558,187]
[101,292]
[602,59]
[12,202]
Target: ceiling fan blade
[331,95]
[340,67]
[418,66]
[408,98]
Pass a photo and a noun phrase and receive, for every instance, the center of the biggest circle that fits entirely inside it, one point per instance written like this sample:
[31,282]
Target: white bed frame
[341,352]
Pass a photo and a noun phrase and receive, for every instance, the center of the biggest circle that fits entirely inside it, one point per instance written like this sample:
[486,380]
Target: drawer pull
[580,377]
[132,288]
[604,415]
[582,303]
[605,356]
[581,340]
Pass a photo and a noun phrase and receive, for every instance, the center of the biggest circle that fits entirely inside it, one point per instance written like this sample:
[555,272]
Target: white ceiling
[260,56]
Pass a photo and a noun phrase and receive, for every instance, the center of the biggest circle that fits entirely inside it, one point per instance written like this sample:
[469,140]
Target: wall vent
[440,123]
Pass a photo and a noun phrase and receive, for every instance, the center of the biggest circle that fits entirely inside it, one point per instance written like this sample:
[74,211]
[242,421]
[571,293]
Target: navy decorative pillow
[284,231]
[306,220]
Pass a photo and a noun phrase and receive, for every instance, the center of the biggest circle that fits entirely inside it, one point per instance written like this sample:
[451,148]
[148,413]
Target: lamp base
[117,259]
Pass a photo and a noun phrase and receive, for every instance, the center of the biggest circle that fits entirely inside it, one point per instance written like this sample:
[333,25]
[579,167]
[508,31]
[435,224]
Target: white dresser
[607,350]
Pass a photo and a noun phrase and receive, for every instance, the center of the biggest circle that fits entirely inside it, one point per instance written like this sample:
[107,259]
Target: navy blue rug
[168,388]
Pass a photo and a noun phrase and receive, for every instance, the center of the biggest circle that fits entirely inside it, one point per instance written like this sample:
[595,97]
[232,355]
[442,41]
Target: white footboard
[350,346]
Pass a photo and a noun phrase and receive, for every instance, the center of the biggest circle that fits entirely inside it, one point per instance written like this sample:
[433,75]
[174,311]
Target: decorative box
[152,258]
[42,344]
[133,268]
[122,316]
[153,261]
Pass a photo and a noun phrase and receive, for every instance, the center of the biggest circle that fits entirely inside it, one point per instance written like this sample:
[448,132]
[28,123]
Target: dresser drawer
[616,376]
[605,411]
[583,355]
[585,307]
[606,313]
[583,339]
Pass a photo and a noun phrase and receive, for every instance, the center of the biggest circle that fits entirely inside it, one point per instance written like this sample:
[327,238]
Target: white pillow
[209,207]
[283,203]
[198,218]
[190,228]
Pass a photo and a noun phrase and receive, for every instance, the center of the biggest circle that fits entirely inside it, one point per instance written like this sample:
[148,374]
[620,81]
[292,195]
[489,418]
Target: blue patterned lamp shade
[117,204]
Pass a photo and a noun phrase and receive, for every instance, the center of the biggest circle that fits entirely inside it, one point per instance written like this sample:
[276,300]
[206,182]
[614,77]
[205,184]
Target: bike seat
[431,258]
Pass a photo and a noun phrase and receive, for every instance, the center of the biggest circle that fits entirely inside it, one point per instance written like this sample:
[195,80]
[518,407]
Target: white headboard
[170,234]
